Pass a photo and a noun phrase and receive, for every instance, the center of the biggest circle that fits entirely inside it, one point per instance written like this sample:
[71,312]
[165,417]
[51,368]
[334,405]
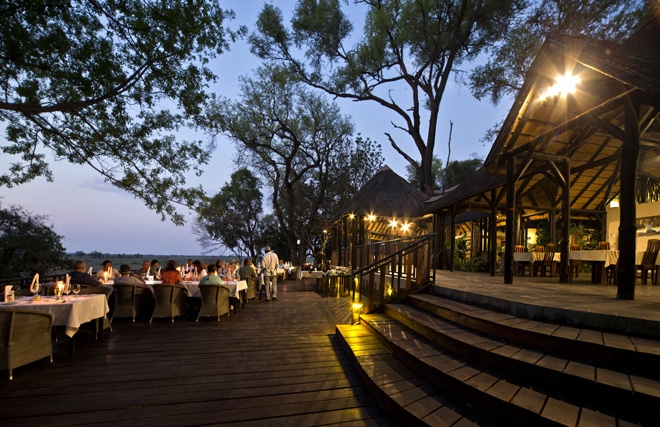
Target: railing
[389,271]
[24,282]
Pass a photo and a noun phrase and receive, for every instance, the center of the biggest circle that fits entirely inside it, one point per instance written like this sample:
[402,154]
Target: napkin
[66,283]
[7,291]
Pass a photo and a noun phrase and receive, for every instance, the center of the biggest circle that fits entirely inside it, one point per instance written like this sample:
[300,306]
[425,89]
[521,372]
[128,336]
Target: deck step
[512,400]
[494,368]
[616,351]
[399,390]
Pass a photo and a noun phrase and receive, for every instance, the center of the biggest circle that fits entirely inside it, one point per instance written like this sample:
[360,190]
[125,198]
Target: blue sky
[93,215]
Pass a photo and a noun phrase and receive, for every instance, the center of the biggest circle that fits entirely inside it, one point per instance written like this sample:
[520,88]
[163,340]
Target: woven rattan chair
[648,262]
[170,301]
[131,300]
[215,301]
[26,338]
[251,292]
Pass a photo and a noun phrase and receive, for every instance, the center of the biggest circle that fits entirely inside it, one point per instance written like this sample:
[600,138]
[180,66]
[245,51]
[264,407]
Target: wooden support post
[510,219]
[627,273]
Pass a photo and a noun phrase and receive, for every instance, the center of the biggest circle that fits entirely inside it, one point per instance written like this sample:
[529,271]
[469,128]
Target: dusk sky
[92,215]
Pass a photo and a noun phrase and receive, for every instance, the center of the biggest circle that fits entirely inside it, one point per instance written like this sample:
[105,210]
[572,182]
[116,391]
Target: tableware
[76,290]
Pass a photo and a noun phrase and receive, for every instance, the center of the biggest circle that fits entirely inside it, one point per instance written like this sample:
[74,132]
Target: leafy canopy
[28,244]
[510,59]
[301,147]
[231,218]
[407,54]
[109,84]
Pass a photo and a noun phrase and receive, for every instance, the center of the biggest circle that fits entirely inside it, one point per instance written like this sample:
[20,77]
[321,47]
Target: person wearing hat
[127,278]
[270,263]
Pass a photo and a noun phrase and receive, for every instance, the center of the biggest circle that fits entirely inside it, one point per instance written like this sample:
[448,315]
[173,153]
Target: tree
[459,170]
[419,45]
[28,244]
[436,172]
[301,146]
[231,218]
[92,81]
[505,71]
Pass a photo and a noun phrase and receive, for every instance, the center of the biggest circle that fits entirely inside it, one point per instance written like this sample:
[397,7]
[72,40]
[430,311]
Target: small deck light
[393,223]
[357,308]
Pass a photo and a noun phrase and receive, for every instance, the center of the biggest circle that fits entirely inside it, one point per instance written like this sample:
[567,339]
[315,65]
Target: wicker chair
[215,301]
[170,301]
[251,292]
[131,300]
[26,337]
[648,262]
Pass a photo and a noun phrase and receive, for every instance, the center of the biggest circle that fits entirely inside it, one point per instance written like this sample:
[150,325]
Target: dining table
[69,311]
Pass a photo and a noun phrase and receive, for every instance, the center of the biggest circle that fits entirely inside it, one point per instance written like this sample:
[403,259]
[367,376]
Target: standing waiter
[270,263]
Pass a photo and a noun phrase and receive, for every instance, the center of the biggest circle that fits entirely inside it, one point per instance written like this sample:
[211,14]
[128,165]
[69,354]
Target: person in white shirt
[270,263]
[108,269]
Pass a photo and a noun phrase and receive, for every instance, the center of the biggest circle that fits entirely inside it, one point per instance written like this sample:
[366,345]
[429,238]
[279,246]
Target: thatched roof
[386,194]
[585,128]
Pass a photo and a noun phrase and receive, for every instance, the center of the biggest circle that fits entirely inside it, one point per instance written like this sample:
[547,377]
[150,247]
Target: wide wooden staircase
[434,361]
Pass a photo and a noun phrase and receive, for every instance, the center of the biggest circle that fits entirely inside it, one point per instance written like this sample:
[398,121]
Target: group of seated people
[170,274]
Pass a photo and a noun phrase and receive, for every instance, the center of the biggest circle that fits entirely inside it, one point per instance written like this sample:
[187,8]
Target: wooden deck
[275,363]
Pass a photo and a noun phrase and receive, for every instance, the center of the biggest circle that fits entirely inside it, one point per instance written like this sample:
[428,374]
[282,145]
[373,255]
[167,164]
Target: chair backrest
[210,293]
[164,294]
[251,287]
[651,252]
[653,245]
[125,293]
[518,248]
[575,248]
[539,249]
[550,250]
[603,246]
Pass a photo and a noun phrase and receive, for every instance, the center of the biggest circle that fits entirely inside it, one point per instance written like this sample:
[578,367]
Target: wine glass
[76,289]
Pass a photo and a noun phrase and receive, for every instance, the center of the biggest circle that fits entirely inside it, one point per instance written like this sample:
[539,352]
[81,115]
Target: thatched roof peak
[386,194]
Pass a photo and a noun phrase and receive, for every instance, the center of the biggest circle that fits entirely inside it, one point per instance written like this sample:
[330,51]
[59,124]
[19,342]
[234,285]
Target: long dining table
[604,257]
[70,311]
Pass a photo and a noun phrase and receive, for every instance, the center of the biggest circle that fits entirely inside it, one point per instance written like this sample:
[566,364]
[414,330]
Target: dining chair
[598,267]
[126,301]
[575,267]
[215,301]
[519,266]
[649,262]
[539,249]
[251,292]
[548,265]
[25,337]
[170,301]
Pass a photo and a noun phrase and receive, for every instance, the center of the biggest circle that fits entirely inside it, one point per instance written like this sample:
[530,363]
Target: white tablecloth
[70,312]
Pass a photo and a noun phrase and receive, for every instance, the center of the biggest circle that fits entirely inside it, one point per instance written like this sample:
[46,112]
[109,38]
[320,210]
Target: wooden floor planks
[275,363]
